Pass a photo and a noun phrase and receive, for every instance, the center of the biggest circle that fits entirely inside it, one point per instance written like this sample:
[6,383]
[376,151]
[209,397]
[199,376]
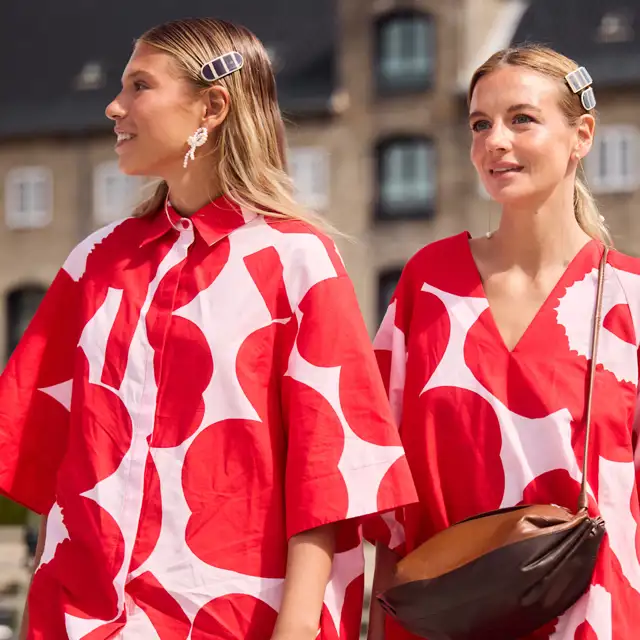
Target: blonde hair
[249,156]
[554,65]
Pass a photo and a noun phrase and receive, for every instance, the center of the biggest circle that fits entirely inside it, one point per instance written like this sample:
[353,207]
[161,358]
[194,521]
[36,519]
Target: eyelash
[139,85]
[524,115]
[474,126]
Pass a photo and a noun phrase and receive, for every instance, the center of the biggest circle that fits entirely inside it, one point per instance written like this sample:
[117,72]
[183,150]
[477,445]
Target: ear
[216,106]
[585,131]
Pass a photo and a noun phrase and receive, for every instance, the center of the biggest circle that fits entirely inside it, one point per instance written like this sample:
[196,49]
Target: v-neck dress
[191,394]
[485,428]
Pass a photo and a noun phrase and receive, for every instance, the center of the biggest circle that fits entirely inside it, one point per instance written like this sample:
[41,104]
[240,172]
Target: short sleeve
[35,396]
[391,351]
[635,436]
[391,355]
[344,456]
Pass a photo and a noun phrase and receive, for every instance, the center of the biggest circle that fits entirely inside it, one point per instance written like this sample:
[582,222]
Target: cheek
[164,121]
[546,148]
[476,152]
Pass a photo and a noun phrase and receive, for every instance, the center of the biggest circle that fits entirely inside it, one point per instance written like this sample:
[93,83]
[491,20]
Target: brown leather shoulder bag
[502,575]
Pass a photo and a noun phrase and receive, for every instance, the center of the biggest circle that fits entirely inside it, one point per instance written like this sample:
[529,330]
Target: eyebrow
[136,74]
[523,106]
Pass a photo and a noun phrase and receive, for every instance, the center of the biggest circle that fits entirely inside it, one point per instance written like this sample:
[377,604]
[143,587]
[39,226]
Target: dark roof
[602,35]
[45,45]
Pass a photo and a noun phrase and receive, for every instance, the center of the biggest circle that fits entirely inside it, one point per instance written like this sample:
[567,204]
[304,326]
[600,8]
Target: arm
[308,568]
[386,560]
[24,626]
[390,348]
[334,407]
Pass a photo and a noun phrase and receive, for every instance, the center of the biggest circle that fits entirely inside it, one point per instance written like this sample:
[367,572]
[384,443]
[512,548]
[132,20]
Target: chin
[511,197]
[130,167]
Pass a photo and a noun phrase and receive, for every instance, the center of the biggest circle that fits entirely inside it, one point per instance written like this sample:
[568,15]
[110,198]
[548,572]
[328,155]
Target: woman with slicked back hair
[487,352]
[196,408]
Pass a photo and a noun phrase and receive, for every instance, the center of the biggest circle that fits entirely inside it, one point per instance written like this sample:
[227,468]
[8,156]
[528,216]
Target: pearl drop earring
[194,141]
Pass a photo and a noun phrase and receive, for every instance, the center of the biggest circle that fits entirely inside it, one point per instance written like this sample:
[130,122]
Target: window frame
[614,181]
[102,214]
[15,218]
[384,213]
[13,312]
[383,86]
[386,277]
[317,201]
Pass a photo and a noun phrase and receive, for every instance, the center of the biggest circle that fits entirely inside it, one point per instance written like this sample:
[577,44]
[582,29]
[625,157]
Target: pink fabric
[486,428]
[183,403]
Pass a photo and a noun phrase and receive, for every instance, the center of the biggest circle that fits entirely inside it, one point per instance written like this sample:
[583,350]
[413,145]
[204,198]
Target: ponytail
[587,213]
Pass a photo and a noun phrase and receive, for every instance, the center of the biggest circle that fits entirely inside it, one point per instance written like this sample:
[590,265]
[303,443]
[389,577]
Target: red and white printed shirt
[486,428]
[192,393]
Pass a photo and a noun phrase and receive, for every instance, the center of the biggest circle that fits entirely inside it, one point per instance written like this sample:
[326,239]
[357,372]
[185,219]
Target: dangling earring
[490,231]
[194,141]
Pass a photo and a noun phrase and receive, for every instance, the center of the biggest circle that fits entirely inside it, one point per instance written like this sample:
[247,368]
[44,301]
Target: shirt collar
[214,221]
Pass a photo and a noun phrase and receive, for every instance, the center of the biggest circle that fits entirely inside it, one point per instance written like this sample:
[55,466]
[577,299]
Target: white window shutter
[613,165]
[309,169]
[114,193]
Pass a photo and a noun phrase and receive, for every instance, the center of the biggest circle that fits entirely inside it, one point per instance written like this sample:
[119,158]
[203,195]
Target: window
[616,26]
[309,170]
[613,165]
[387,283]
[92,76]
[405,52]
[406,178]
[28,197]
[21,307]
[114,194]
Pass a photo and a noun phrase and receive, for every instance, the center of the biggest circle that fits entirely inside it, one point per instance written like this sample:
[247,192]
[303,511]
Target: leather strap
[597,322]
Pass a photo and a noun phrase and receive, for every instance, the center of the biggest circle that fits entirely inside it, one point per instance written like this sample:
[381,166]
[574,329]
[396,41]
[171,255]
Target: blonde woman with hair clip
[522,444]
[196,407]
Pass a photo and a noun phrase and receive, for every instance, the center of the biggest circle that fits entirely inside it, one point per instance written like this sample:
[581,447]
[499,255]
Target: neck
[192,188]
[535,237]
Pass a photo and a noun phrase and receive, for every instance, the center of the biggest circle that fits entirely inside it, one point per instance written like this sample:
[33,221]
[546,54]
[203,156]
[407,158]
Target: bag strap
[597,322]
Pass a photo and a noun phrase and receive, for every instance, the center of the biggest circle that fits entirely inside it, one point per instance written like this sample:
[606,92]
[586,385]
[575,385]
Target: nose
[115,110]
[499,138]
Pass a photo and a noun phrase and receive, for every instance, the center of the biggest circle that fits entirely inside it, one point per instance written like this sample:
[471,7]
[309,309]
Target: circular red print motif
[455,454]
[232,617]
[232,488]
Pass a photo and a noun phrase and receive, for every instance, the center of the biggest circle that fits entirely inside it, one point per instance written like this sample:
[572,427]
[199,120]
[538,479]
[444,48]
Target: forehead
[148,59]
[511,85]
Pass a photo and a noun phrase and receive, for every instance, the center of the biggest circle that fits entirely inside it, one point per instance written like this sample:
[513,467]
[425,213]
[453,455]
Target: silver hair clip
[222,66]
[580,82]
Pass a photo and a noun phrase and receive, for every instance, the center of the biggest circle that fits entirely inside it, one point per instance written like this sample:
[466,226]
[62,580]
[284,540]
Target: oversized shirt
[191,394]
[486,428]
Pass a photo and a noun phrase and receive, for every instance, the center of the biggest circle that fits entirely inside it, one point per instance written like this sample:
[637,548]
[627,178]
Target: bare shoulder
[480,246]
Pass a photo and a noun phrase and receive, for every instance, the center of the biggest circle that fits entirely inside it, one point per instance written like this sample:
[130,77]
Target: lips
[123,136]
[505,169]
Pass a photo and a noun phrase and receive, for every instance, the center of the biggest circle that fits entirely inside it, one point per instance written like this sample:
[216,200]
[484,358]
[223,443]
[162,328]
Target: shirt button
[186,224]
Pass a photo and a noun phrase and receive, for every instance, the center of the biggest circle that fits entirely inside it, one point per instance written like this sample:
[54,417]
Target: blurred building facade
[374,94]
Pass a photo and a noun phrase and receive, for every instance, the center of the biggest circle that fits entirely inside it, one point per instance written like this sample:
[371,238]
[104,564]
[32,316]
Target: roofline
[499,37]
[296,109]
